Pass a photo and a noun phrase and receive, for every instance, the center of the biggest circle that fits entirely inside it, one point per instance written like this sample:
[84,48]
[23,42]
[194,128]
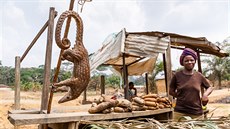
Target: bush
[31,86]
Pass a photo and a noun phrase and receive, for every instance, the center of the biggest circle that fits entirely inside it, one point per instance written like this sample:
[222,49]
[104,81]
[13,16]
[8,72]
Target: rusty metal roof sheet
[200,44]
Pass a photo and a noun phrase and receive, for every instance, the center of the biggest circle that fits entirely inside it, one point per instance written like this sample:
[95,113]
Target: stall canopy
[141,52]
[142,48]
[200,44]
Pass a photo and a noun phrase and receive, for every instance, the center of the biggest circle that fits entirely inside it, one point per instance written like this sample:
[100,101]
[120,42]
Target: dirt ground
[31,100]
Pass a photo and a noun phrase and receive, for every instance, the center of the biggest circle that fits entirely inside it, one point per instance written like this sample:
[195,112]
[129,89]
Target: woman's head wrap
[187,51]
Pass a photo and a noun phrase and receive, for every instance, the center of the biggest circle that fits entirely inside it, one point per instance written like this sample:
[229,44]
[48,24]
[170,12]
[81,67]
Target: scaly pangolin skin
[78,55]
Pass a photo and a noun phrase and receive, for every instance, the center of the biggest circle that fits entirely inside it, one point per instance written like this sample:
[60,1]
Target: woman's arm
[204,98]
[172,87]
[208,91]
[172,92]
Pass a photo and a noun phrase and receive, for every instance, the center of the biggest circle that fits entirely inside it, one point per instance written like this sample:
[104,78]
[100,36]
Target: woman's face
[189,62]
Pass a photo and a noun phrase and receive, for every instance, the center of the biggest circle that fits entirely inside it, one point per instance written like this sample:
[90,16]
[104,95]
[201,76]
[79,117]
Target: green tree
[139,80]
[6,75]
[112,80]
[32,75]
[159,67]
[218,68]
[64,73]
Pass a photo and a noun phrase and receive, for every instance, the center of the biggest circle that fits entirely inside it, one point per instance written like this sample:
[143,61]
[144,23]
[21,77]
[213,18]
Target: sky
[21,20]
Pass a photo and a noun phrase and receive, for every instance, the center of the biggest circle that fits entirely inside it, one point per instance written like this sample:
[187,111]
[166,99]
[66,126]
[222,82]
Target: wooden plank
[27,119]
[25,111]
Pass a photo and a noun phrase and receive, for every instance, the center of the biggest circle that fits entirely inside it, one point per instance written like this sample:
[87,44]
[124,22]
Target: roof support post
[199,68]
[102,84]
[167,67]
[147,83]
[125,77]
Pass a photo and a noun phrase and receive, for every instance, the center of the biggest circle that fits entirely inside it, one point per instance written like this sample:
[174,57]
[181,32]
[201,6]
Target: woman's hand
[204,100]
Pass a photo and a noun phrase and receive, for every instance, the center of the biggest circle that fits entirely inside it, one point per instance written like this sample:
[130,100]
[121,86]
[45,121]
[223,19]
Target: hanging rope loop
[82,2]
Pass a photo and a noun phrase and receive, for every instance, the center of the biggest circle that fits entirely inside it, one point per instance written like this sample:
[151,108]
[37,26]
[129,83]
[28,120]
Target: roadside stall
[130,53]
[135,53]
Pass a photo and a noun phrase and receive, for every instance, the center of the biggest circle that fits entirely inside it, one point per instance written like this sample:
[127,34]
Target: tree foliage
[159,67]
[112,80]
[31,78]
[6,75]
[218,68]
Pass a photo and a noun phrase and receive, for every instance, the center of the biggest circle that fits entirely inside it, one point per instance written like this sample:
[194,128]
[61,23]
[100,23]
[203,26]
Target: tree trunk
[219,81]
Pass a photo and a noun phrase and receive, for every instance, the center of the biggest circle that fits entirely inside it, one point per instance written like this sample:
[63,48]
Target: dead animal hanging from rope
[78,55]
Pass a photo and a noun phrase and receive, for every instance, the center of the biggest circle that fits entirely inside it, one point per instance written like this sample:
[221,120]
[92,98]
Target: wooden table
[18,119]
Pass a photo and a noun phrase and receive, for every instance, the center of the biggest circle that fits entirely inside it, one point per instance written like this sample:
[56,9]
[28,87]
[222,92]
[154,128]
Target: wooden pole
[147,83]
[168,68]
[199,62]
[199,68]
[165,69]
[84,96]
[47,69]
[102,84]
[17,83]
[125,77]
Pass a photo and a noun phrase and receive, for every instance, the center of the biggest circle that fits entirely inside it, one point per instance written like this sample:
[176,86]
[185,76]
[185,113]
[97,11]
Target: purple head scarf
[187,51]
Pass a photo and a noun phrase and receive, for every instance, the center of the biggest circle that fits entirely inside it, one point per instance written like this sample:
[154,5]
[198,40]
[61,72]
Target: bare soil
[32,100]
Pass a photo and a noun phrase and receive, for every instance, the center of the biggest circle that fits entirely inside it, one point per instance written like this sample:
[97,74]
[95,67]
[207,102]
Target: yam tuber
[150,96]
[139,100]
[149,103]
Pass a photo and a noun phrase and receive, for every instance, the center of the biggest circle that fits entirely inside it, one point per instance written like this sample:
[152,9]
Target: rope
[82,2]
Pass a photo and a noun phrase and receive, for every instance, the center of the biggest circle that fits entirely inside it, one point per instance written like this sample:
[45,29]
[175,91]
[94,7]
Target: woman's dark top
[188,89]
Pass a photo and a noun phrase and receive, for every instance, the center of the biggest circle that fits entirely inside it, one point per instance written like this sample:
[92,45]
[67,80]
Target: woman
[186,85]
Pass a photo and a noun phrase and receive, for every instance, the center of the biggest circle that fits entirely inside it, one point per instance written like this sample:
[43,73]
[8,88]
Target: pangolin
[78,55]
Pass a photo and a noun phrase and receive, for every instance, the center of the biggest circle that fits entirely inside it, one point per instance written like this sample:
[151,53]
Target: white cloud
[103,18]
[194,18]
[13,24]
[1,48]
[1,17]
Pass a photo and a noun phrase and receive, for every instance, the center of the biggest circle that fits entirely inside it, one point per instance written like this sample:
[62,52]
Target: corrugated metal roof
[144,45]
[200,44]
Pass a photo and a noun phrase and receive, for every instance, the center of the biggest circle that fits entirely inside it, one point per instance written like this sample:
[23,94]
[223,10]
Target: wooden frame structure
[46,82]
